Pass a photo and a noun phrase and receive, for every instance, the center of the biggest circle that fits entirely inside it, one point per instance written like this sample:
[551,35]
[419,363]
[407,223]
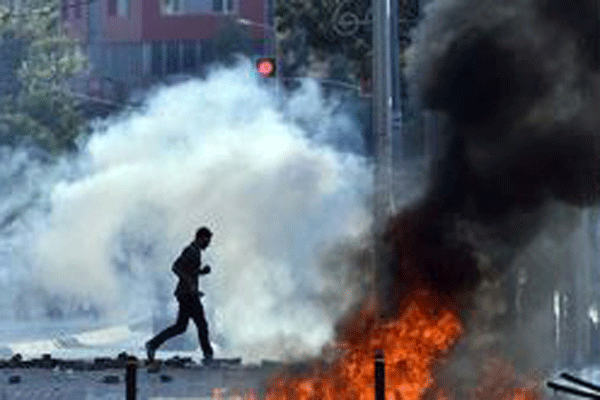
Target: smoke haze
[519,95]
[517,89]
[109,222]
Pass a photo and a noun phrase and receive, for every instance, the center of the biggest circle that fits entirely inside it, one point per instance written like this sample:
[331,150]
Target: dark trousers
[189,307]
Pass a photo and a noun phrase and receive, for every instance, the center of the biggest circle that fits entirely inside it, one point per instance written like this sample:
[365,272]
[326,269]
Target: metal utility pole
[397,90]
[382,107]
[582,289]
[382,131]
[379,375]
[130,378]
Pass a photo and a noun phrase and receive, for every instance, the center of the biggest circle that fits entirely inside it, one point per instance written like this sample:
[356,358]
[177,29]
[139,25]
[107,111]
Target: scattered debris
[219,362]
[574,390]
[15,361]
[178,362]
[111,379]
[153,367]
[105,363]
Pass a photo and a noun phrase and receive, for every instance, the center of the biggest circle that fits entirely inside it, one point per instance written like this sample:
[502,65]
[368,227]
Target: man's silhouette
[187,268]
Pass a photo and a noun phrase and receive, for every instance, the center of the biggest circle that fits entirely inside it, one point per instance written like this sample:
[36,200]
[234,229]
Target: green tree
[333,25]
[335,29]
[332,30]
[40,108]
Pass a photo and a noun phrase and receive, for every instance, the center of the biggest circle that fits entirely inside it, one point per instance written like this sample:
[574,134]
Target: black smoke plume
[516,83]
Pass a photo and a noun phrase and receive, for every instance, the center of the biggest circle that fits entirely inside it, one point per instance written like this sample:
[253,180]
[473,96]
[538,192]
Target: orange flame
[411,344]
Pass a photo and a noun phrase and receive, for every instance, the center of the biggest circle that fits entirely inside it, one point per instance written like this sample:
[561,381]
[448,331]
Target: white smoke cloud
[217,153]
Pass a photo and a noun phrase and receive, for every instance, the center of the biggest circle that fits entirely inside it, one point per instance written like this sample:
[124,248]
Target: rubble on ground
[103,363]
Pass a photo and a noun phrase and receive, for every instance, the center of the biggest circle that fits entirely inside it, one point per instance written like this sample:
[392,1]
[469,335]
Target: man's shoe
[150,351]
[208,359]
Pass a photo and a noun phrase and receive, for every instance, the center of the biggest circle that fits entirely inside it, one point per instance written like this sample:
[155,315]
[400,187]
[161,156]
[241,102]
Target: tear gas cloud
[216,152]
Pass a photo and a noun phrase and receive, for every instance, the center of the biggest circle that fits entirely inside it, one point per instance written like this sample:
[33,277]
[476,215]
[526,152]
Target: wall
[77,18]
[170,27]
[124,28]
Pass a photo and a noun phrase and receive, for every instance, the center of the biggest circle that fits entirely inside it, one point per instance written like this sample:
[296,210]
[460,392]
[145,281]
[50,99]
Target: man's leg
[197,314]
[178,328]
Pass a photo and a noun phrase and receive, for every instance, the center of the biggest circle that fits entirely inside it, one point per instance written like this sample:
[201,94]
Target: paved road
[234,382]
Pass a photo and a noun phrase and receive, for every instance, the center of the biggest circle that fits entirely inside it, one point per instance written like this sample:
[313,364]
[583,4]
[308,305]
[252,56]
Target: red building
[133,43]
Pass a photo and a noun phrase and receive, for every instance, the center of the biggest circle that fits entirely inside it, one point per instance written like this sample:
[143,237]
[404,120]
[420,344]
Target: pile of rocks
[100,363]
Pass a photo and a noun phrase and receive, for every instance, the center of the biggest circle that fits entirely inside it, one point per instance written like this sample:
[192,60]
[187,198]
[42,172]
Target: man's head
[203,236]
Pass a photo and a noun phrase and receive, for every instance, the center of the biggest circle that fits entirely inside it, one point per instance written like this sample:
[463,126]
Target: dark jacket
[187,268]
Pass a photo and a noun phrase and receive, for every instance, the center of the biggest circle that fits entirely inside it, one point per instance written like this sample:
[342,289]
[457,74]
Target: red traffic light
[266,67]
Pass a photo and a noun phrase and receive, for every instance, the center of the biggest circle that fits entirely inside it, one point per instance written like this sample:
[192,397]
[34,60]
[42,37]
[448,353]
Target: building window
[65,10]
[77,6]
[115,62]
[112,7]
[269,13]
[136,59]
[170,7]
[223,6]
[174,7]
[157,58]
[123,8]
[123,60]
[118,8]
[146,58]
[172,57]
[110,57]
[189,56]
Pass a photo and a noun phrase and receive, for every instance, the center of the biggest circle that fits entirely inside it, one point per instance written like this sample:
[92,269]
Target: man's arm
[177,269]
[204,271]
[186,263]
[186,267]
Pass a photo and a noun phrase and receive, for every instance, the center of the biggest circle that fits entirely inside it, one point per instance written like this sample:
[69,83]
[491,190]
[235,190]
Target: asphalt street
[195,382]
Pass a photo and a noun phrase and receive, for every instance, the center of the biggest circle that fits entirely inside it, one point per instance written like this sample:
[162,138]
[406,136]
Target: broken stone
[15,361]
[111,379]
[153,367]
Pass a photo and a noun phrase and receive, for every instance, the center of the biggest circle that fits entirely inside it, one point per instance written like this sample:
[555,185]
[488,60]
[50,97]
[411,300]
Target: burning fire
[411,343]
[422,335]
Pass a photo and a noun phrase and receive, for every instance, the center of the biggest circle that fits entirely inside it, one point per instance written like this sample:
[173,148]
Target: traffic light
[266,67]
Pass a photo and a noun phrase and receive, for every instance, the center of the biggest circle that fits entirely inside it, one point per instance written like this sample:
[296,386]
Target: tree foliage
[337,27]
[332,30]
[41,109]
[333,26]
